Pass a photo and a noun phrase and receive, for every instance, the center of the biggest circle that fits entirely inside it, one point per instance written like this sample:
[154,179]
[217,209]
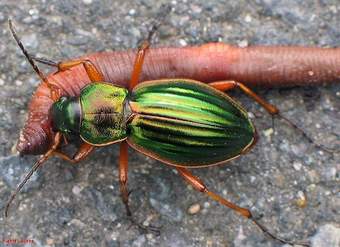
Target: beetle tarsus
[307,137]
[127,208]
[143,228]
[165,9]
[271,235]
[125,199]
[140,226]
[273,122]
[126,203]
[200,186]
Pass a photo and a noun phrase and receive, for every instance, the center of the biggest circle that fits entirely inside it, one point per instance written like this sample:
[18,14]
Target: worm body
[270,66]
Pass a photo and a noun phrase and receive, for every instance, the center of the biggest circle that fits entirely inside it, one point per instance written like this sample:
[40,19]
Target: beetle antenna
[23,182]
[27,55]
[54,91]
[36,166]
[44,61]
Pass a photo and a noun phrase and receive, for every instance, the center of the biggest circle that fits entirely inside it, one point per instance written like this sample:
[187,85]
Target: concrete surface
[293,185]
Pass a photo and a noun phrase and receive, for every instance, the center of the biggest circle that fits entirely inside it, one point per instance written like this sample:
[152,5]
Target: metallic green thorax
[103,120]
[187,123]
[66,115]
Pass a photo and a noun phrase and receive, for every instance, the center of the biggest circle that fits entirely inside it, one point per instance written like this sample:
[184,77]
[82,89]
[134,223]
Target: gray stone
[327,235]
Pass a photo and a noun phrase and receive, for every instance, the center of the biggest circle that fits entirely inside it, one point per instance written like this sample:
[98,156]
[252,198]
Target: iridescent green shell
[103,120]
[187,123]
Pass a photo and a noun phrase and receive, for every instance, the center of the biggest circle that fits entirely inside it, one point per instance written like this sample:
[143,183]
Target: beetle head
[65,114]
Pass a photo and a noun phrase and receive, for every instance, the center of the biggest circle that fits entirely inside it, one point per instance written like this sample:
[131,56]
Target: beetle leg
[94,74]
[200,186]
[228,85]
[123,175]
[84,150]
[139,59]
[271,109]
[137,67]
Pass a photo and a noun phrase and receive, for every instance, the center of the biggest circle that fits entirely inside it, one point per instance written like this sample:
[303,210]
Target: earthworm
[268,66]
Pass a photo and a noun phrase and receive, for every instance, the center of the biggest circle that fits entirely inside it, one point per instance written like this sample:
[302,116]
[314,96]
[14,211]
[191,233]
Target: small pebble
[132,12]
[268,132]
[301,202]
[251,115]
[238,241]
[243,43]
[139,241]
[247,18]
[149,236]
[194,209]
[2,17]
[209,242]
[76,190]
[18,83]
[14,149]
[22,207]
[297,166]
[33,12]
[329,173]
[49,241]
[333,9]
[87,2]
[196,9]
[182,42]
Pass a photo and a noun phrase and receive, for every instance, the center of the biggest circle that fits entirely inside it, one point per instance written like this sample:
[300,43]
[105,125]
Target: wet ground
[293,185]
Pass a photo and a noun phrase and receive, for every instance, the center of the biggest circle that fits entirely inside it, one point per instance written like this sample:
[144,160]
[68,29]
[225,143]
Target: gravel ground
[293,185]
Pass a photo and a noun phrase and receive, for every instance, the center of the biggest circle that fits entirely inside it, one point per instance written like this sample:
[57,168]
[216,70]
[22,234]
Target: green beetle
[177,121]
